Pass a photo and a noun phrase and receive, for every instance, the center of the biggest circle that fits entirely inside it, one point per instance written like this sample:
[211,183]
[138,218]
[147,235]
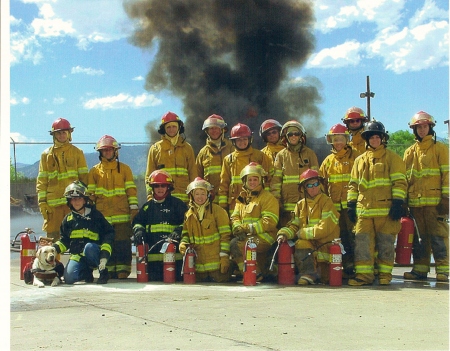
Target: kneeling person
[87,235]
[315,224]
[207,229]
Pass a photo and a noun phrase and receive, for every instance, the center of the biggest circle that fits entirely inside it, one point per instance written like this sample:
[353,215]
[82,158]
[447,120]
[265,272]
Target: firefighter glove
[351,211]
[224,262]
[176,234]
[281,237]
[239,232]
[45,209]
[396,211]
[182,248]
[139,237]
[102,264]
[442,208]
[133,213]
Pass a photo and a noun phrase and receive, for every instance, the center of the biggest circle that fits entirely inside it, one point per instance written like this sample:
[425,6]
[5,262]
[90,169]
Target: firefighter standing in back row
[377,191]
[173,154]
[427,170]
[60,165]
[289,164]
[112,189]
[207,229]
[335,170]
[159,220]
[210,157]
[354,119]
[230,180]
[270,132]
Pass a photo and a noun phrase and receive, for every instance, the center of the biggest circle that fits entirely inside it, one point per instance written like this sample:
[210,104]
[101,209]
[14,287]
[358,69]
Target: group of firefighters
[230,192]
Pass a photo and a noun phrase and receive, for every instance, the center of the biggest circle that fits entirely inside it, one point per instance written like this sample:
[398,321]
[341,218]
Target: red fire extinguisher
[335,263]
[286,267]
[169,268]
[188,271]
[250,262]
[405,238]
[141,263]
[27,249]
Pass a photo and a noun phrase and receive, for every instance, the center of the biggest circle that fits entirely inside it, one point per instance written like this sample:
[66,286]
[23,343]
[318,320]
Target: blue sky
[72,59]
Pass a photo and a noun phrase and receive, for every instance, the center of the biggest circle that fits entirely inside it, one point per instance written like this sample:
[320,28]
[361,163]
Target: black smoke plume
[229,57]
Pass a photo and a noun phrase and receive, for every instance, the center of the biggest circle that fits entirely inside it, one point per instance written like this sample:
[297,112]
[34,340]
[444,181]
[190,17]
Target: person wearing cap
[289,164]
[87,235]
[335,170]
[206,229]
[427,171]
[210,157]
[375,198]
[160,220]
[60,165]
[254,216]
[270,132]
[173,154]
[315,225]
[230,181]
[112,189]
[354,119]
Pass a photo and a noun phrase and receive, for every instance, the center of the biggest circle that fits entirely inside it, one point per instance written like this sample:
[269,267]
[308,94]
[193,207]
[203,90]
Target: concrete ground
[126,315]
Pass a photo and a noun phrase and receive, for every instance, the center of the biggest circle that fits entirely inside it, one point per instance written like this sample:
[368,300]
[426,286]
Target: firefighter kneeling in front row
[316,223]
[207,229]
[160,218]
[255,215]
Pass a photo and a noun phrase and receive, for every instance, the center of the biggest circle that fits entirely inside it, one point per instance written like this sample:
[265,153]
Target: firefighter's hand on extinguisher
[176,234]
[102,264]
[182,248]
[351,211]
[224,262]
[240,232]
[134,210]
[281,237]
[396,211]
[45,209]
[138,237]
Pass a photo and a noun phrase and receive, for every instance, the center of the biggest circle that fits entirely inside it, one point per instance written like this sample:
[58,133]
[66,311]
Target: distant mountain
[136,157]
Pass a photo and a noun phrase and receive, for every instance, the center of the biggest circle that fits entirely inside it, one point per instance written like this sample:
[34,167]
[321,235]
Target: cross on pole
[368,94]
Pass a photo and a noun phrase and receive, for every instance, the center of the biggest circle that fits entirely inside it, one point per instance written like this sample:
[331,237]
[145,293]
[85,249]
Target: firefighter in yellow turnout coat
[289,164]
[255,215]
[427,170]
[207,228]
[172,154]
[354,119]
[60,165]
[270,132]
[315,224]
[230,180]
[335,170]
[210,157]
[377,190]
[114,193]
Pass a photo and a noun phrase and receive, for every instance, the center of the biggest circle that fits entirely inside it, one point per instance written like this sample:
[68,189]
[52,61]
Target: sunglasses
[313,185]
[159,186]
[293,134]
[353,120]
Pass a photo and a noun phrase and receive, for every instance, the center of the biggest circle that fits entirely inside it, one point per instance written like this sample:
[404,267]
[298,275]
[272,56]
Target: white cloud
[58,100]
[17,137]
[17,100]
[339,56]
[50,113]
[88,71]
[122,101]
[138,78]
[23,44]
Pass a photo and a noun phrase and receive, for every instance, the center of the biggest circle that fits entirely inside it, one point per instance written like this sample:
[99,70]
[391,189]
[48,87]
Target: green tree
[14,176]
[400,140]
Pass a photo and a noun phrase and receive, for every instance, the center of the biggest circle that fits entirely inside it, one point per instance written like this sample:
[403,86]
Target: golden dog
[45,268]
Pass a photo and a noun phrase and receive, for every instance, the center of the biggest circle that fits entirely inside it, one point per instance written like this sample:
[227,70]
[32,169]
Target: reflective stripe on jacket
[112,192]
[377,177]
[427,170]
[58,167]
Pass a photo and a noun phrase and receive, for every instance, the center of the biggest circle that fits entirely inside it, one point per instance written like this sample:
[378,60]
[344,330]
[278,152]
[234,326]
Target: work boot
[123,275]
[306,280]
[87,276]
[442,277]
[358,282]
[414,276]
[103,278]
[384,281]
